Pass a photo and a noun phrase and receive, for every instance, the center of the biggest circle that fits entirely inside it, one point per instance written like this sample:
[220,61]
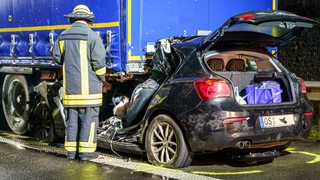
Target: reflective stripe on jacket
[81,52]
[84,147]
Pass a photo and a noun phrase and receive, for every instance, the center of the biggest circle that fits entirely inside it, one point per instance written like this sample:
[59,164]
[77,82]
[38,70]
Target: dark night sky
[308,8]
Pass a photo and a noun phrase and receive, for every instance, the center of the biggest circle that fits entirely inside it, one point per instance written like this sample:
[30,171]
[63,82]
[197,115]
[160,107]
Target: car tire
[165,144]
[15,102]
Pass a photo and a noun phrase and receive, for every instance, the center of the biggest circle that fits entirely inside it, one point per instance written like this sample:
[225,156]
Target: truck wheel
[15,102]
[41,125]
[3,122]
[165,144]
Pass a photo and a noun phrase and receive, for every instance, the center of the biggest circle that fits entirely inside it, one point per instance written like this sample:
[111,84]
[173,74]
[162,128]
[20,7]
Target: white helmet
[80,12]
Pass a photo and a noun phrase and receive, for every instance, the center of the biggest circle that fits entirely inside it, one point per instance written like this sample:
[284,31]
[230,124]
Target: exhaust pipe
[243,144]
[247,144]
[240,144]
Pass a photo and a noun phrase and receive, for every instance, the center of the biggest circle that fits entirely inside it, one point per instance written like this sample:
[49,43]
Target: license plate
[276,121]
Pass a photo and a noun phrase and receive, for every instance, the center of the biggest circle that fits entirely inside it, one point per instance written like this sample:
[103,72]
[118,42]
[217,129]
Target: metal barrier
[313,93]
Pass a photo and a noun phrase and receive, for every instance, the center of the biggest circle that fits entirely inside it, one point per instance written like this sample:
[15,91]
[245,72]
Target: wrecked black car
[225,91]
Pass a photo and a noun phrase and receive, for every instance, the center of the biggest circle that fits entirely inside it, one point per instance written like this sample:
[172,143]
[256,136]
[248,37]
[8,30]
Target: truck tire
[3,122]
[41,126]
[165,144]
[15,102]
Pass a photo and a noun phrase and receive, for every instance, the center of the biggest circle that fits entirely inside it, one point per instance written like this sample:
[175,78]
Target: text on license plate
[276,121]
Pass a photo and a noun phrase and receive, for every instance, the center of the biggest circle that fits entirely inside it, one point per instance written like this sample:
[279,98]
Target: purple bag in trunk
[266,92]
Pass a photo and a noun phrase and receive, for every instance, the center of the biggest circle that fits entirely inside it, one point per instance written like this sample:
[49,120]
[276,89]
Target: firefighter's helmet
[80,12]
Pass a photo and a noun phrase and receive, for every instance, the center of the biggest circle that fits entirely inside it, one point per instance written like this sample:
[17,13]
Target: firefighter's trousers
[81,130]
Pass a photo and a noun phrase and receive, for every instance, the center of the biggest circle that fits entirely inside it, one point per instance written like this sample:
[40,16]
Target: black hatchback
[227,92]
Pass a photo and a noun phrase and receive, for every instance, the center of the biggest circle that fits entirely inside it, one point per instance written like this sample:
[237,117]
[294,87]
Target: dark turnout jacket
[81,52]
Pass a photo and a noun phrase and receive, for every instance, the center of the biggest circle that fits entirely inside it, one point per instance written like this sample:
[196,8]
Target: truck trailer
[31,80]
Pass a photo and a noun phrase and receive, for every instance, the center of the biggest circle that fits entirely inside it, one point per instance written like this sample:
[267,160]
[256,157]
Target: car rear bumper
[249,139]
[206,132]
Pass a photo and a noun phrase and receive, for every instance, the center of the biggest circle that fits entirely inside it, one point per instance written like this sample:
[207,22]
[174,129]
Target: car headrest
[236,65]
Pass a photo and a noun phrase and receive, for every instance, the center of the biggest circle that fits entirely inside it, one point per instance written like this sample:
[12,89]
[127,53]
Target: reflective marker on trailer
[308,114]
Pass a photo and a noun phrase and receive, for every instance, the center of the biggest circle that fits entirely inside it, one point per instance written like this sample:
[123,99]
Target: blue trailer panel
[28,29]
[148,21]
[26,39]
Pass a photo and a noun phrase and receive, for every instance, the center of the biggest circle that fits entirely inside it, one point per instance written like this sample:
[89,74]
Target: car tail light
[237,119]
[303,86]
[211,88]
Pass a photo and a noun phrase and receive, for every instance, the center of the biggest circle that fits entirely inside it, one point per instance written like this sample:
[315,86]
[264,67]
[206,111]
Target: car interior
[216,64]
[236,65]
[244,68]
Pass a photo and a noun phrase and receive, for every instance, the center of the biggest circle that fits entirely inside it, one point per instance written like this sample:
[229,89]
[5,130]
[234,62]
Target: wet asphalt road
[20,163]
[300,161]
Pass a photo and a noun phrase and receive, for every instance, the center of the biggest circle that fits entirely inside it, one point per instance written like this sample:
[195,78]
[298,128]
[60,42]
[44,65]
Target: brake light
[246,16]
[211,88]
[303,86]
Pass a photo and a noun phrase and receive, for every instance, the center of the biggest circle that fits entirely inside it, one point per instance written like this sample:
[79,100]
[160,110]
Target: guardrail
[313,90]
[313,93]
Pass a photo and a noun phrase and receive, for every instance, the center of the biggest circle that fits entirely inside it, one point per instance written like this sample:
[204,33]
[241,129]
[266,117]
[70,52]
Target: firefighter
[81,53]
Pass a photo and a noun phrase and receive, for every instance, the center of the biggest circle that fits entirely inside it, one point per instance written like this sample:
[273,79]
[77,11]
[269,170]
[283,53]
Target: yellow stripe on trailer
[57,27]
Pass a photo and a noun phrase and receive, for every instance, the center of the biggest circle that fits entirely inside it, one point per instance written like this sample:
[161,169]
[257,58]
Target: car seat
[216,64]
[236,65]
[251,65]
